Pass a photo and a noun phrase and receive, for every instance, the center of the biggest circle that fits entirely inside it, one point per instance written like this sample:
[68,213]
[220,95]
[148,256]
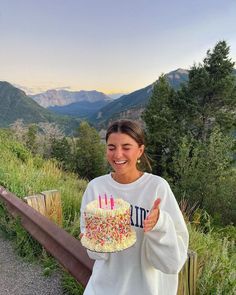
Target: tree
[206,101]
[162,132]
[89,157]
[205,176]
[181,126]
[19,130]
[49,132]
[212,91]
[61,151]
[31,138]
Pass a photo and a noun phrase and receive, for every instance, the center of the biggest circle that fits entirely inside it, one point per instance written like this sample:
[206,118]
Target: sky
[107,45]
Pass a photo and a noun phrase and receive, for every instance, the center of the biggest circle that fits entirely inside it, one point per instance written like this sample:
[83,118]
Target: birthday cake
[108,229]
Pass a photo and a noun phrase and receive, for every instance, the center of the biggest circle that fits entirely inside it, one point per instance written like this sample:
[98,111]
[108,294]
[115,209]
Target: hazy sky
[107,45]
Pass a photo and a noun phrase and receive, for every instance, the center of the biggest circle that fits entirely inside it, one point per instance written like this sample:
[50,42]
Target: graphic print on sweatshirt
[138,215]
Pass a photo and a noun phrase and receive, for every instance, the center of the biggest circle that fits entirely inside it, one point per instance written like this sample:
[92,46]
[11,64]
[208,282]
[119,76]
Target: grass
[216,261]
[24,175]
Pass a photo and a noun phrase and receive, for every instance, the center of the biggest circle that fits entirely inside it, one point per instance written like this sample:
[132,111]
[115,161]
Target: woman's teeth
[120,162]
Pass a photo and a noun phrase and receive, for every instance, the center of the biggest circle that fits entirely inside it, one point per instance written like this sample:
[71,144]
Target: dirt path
[18,277]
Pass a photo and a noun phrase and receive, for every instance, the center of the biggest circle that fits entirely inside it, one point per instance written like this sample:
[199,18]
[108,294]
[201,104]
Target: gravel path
[18,277]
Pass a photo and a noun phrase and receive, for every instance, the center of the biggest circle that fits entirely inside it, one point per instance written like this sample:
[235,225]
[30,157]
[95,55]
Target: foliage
[216,259]
[38,138]
[61,150]
[205,176]
[31,137]
[212,90]
[190,131]
[31,175]
[83,154]
[89,157]
[71,286]
[161,120]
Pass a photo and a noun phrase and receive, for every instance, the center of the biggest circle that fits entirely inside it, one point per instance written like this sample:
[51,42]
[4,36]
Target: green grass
[24,175]
[216,260]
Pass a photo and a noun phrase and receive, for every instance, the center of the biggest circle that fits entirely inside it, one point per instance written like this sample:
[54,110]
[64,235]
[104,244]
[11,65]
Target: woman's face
[122,153]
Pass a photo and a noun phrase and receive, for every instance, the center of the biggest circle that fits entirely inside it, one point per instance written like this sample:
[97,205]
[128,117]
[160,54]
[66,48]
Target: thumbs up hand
[153,216]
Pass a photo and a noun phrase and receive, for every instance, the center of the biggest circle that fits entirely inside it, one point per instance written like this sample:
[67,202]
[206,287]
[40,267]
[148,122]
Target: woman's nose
[118,153]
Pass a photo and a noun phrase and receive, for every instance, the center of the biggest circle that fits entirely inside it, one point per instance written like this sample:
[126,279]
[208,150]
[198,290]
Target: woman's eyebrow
[125,144]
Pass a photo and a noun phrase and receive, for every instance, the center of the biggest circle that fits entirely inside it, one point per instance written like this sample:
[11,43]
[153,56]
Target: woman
[151,266]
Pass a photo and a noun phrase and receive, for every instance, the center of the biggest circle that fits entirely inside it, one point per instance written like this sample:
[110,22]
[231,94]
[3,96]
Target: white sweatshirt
[151,266]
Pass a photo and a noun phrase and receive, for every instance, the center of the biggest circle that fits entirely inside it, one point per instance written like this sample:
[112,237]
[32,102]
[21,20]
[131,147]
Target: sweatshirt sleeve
[166,244]
[88,197]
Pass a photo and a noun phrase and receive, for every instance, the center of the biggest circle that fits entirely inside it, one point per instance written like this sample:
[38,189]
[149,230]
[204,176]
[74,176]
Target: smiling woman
[162,236]
[123,152]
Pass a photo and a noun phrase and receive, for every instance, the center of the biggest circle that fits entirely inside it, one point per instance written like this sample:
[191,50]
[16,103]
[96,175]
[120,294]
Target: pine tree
[90,152]
[212,91]
[160,119]
[190,134]
[206,101]
[61,151]
[31,137]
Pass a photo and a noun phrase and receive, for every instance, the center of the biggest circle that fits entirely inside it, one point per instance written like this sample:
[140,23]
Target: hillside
[82,109]
[132,105]
[15,104]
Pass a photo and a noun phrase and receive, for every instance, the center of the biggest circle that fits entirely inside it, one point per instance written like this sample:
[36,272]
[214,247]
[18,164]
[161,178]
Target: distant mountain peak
[177,74]
[53,97]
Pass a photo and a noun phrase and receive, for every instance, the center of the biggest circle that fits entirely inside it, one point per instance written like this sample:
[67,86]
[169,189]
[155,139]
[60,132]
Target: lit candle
[100,201]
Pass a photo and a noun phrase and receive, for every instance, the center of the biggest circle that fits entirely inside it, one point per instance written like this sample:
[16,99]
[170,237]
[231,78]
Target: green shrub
[216,259]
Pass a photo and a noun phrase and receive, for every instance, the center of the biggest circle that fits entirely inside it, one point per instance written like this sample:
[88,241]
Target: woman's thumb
[156,203]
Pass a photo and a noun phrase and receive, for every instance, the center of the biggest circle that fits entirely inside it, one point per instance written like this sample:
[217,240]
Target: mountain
[132,105]
[80,104]
[15,104]
[81,109]
[54,97]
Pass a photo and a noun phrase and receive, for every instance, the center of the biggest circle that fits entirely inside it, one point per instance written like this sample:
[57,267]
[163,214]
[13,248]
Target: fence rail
[61,245]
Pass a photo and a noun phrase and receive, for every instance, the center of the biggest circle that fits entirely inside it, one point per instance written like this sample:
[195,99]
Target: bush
[216,260]
[204,175]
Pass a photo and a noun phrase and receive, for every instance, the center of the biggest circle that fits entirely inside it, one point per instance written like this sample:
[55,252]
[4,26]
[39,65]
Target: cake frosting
[108,230]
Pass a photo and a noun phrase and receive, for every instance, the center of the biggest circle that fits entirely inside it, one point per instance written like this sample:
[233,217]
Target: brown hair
[134,130]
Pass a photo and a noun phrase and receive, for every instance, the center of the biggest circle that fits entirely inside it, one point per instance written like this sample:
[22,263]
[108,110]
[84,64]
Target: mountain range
[93,106]
[98,107]
[54,97]
[73,103]
[15,104]
[132,105]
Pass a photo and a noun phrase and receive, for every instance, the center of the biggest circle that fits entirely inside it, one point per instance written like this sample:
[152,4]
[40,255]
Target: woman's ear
[141,148]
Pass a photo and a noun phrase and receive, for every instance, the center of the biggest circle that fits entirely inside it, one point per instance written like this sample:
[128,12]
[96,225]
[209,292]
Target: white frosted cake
[108,230]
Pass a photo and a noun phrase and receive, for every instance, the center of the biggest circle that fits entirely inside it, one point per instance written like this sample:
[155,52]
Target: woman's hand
[153,216]
[80,236]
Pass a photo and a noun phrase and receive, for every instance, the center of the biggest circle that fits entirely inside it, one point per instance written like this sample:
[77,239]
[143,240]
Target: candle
[106,199]
[112,202]
[100,201]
